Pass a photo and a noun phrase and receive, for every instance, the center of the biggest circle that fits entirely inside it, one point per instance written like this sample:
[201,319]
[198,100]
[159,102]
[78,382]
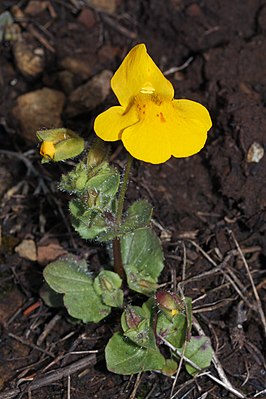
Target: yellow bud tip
[47,149]
[174,312]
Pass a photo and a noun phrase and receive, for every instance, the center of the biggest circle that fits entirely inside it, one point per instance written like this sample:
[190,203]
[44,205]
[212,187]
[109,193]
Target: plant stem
[122,193]
[118,264]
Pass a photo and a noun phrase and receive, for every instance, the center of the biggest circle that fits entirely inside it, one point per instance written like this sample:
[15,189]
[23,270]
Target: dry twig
[52,376]
[256,295]
[136,385]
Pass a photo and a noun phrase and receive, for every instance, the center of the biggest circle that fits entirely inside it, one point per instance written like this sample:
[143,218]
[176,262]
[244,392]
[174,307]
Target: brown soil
[204,206]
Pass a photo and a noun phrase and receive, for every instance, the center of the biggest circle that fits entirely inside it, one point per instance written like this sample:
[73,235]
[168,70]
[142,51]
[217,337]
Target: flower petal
[110,124]
[47,149]
[148,139]
[191,126]
[139,73]
[145,143]
[177,128]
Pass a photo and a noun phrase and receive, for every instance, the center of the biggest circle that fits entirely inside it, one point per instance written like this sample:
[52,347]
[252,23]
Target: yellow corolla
[47,149]
[59,144]
[151,124]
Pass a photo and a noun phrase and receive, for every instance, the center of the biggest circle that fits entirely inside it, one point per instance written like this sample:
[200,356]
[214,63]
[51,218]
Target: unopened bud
[132,318]
[47,149]
[147,285]
[97,153]
[169,303]
[59,144]
[106,284]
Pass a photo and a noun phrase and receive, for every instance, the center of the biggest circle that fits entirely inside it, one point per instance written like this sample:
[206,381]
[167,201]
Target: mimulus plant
[152,126]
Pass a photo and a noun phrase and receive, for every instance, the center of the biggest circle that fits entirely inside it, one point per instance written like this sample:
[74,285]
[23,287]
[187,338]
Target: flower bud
[147,285]
[106,284]
[47,149]
[169,303]
[97,154]
[59,144]
[136,326]
[132,318]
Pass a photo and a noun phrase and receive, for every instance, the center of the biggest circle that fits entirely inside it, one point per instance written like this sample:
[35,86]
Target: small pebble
[255,152]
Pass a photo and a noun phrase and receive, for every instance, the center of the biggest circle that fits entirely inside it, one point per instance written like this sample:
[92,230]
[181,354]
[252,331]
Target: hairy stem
[122,193]
[118,264]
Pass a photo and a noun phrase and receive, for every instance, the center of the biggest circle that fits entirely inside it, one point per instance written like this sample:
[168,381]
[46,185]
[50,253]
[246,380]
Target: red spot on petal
[162,118]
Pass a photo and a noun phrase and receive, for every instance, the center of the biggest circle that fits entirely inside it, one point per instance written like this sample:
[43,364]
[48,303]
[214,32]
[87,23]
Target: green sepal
[45,160]
[69,148]
[70,277]
[125,357]
[55,135]
[75,181]
[98,153]
[108,285]
[99,184]
[142,258]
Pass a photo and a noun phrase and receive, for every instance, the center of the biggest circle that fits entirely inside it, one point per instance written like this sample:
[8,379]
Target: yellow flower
[151,124]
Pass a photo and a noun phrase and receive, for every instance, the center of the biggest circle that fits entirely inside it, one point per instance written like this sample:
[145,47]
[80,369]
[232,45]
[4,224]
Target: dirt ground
[55,63]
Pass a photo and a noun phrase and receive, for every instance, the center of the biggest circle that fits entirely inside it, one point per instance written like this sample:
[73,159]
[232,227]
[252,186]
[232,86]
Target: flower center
[150,105]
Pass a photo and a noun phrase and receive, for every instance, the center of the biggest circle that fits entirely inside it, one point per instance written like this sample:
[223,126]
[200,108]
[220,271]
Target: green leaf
[142,257]
[69,277]
[107,284]
[90,223]
[199,351]
[50,297]
[105,183]
[170,367]
[138,216]
[141,334]
[124,357]
[173,331]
